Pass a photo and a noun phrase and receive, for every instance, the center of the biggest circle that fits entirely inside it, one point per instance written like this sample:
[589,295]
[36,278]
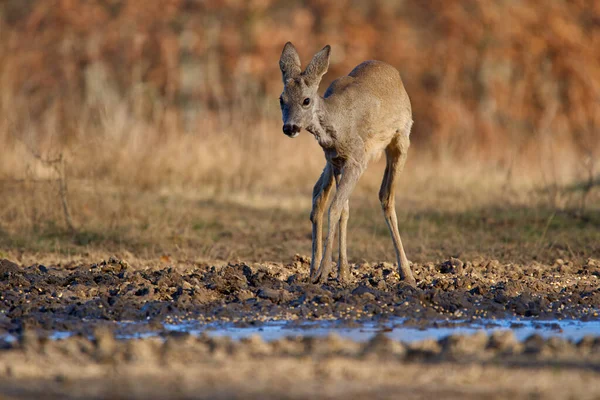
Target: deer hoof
[322,274]
[315,277]
[343,274]
[410,281]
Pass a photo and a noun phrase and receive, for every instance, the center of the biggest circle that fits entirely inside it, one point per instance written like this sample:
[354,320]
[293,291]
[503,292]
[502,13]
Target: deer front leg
[350,175]
[320,195]
[343,269]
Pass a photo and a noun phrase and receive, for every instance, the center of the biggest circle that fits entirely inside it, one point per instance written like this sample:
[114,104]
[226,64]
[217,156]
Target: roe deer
[360,115]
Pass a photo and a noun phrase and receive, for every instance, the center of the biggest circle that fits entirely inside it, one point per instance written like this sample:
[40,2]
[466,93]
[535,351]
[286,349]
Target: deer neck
[322,126]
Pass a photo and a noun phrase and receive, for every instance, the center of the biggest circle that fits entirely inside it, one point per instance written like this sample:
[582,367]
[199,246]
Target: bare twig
[541,239]
[58,165]
[590,183]
[63,192]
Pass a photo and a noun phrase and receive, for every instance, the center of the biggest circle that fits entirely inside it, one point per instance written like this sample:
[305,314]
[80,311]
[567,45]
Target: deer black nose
[291,129]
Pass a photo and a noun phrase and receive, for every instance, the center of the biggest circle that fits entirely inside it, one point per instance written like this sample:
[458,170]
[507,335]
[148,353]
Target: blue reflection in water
[395,329]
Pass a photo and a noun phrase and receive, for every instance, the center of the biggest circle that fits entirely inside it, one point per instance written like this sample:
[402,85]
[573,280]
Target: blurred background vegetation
[103,98]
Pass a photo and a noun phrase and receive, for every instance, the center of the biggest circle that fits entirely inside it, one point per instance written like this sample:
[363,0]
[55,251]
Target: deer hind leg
[343,269]
[396,153]
[321,193]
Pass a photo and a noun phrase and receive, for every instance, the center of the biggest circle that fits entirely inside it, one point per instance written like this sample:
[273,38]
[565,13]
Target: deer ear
[289,62]
[318,65]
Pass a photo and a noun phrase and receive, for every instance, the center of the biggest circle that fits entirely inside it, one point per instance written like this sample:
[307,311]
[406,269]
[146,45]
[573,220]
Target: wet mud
[100,304]
[78,298]
[184,366]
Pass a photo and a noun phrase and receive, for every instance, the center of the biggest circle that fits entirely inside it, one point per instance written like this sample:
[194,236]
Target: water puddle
[396,329]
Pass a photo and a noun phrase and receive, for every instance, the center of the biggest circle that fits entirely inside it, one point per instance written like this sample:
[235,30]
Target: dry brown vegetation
[147,133]
[166,116]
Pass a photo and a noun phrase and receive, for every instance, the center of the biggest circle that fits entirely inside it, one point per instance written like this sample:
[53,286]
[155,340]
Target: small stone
[186,285]
[534,344]
[302,259]
[270,294]
[7,268]
[465,344]
[457,264]
[364,292]
[244,295]
[382,345]
[105,343]
[293,279]
[503,341]
[427,348]
[587,342]
[256,346]
[558,345]
[29,340]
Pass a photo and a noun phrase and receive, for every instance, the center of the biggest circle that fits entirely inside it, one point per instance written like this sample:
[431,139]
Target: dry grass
[494,148]
[141,191]
[108,145]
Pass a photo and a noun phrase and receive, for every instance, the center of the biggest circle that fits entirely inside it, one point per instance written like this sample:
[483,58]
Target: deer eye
[306,101]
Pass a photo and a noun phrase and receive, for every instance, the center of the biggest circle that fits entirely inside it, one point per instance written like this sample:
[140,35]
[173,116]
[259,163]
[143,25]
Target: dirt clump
[184,366]
[100,302]
[58,297]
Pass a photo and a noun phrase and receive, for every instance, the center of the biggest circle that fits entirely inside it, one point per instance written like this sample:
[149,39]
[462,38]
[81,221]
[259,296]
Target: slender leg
[343,270]
[320,195]
[350,175]
[396,153]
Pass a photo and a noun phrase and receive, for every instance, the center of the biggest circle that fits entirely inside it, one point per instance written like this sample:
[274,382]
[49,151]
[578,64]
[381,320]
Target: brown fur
[360,116]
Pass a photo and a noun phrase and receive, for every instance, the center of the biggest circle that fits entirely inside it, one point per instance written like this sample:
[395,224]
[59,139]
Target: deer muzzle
[291,130]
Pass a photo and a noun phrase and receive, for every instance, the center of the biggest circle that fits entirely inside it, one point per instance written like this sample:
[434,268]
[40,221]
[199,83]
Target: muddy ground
[89,300]
[183,366]
[58,297]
